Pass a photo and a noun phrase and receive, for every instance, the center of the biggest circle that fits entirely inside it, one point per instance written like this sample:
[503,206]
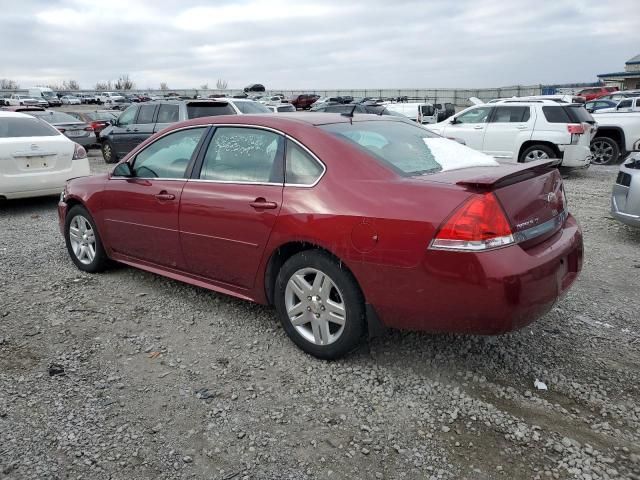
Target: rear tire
[605,151]
[83,241]
[320,305]
[537,152]
[108,152]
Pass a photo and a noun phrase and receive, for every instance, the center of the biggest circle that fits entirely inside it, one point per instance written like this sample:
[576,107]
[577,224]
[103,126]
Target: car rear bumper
[575,156]
[481,293]
[41,184]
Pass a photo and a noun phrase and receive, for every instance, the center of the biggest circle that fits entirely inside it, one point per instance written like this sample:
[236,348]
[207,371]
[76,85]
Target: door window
[511,115]
[624,104]
[169,156]
[638,102]
[477,115]
[126,118]
[302,168]
[168,113]
[244,155]
[146,114]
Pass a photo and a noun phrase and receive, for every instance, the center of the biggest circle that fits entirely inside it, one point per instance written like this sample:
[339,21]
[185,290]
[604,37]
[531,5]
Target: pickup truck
[618,135]
[625,105]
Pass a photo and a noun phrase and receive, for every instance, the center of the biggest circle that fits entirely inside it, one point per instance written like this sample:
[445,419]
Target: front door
[228,210]
[469,126]
[508,128]
[140,213]
[121,131]
[143,127]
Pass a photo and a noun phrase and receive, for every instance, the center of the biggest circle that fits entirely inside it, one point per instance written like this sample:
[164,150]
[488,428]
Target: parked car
[21,99]
[254,87]
[110,99]
[35,159]
[47,95]
[617,96]
[264,215]
[17,108]
[625,105]
[520,131]
[70,100]
[625,199]
[445,111]
[326,100]
[140,121]
[370,108]
[592,93]
[303,101]
[99,120]
[76,130]
[87,98]
[131,98]
[281,108]
[422,113]
[4,99]
[618,135]
[595,105]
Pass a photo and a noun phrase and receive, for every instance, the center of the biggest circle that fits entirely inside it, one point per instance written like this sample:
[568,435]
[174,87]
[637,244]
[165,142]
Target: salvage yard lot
[165,380]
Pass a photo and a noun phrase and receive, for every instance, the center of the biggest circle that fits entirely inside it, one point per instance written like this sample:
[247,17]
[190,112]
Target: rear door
[141,212]
[229,207]
[470,126]
[508,128]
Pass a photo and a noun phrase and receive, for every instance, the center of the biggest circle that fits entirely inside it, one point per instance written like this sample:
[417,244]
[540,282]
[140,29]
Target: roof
[633,61]
[5,114]
[620,74]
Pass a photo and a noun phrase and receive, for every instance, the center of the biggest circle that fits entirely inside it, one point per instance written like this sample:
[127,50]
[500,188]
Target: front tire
[83,241]
[537,152]
[604,150]
[320,305]
[108,152]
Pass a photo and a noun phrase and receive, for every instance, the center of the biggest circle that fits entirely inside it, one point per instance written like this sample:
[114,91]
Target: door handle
[521,127]
[164,196]
[261,203]
[132,130]
[478,127]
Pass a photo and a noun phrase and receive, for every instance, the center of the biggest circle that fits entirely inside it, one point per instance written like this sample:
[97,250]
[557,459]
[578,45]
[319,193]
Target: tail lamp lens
[478,224]
[79,152]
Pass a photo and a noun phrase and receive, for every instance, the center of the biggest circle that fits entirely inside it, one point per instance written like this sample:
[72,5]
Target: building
[627,80]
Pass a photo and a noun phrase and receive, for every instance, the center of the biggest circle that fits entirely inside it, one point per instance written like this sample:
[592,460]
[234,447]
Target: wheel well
[284,253]
[614,134]
[72,202]
[531,143]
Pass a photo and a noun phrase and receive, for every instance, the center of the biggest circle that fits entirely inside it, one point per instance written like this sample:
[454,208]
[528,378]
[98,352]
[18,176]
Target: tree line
[124,82]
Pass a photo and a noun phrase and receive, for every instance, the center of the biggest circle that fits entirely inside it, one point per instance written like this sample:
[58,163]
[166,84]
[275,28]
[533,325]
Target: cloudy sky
[318,44]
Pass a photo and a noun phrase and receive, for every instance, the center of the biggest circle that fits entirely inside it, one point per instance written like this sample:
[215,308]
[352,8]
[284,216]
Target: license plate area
[36,163]
[75,133]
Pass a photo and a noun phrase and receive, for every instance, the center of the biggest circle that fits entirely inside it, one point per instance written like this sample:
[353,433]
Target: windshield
[410,150]
[252,107]
[55,117]
[48,94]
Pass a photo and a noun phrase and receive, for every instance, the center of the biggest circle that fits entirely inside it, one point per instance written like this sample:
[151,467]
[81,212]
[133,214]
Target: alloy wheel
[534,155]
[82,239]
[602,152]
[315,306]
[106,152]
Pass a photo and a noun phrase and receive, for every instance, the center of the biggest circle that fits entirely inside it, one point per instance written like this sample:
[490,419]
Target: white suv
[524,131]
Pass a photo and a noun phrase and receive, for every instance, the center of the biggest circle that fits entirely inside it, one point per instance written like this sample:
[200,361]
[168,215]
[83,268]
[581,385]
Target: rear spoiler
[510,174]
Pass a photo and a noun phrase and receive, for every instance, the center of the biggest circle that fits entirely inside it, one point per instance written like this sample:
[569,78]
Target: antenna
[350,114]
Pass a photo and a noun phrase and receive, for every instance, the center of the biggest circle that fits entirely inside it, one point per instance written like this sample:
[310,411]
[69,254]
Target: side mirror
[453,121]
[123,170]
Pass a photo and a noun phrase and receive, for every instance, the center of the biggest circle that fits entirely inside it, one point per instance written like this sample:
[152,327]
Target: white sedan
[70,100]
[35,158]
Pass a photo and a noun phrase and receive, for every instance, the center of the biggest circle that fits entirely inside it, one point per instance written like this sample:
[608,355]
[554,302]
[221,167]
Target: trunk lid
[531,194]
[32,155]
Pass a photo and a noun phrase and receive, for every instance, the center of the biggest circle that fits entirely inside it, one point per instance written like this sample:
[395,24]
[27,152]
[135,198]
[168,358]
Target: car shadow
[24,205]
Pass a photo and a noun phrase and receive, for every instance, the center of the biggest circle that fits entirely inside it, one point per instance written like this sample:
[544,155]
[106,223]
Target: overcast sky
[317,44]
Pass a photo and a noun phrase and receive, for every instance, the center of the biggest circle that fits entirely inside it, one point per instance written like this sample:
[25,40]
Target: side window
[168,156]
[146,114]
[511,115]
[126,118]
[244,155]
[638,102]
[168,113]
[624,104]
[477,115]
[301,168]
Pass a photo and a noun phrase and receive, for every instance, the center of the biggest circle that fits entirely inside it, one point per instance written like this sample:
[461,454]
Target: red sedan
[345,224]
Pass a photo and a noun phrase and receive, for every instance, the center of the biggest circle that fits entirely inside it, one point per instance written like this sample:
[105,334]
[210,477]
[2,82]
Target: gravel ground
[128,375]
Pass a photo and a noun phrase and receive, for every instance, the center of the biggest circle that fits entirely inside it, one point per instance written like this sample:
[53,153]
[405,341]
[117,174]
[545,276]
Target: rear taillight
[79,153]
[89,128]
[478,224]
[61,130]
[575,128]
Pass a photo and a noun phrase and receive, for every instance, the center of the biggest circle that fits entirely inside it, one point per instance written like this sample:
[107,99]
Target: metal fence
[458,97]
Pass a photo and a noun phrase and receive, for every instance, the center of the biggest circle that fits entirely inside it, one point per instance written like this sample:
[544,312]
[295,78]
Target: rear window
[209,109]
[567,114]
[287,108]
[407,149]
[556,114]
[252,107]
[55,117]
[579,114]
[25,127]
